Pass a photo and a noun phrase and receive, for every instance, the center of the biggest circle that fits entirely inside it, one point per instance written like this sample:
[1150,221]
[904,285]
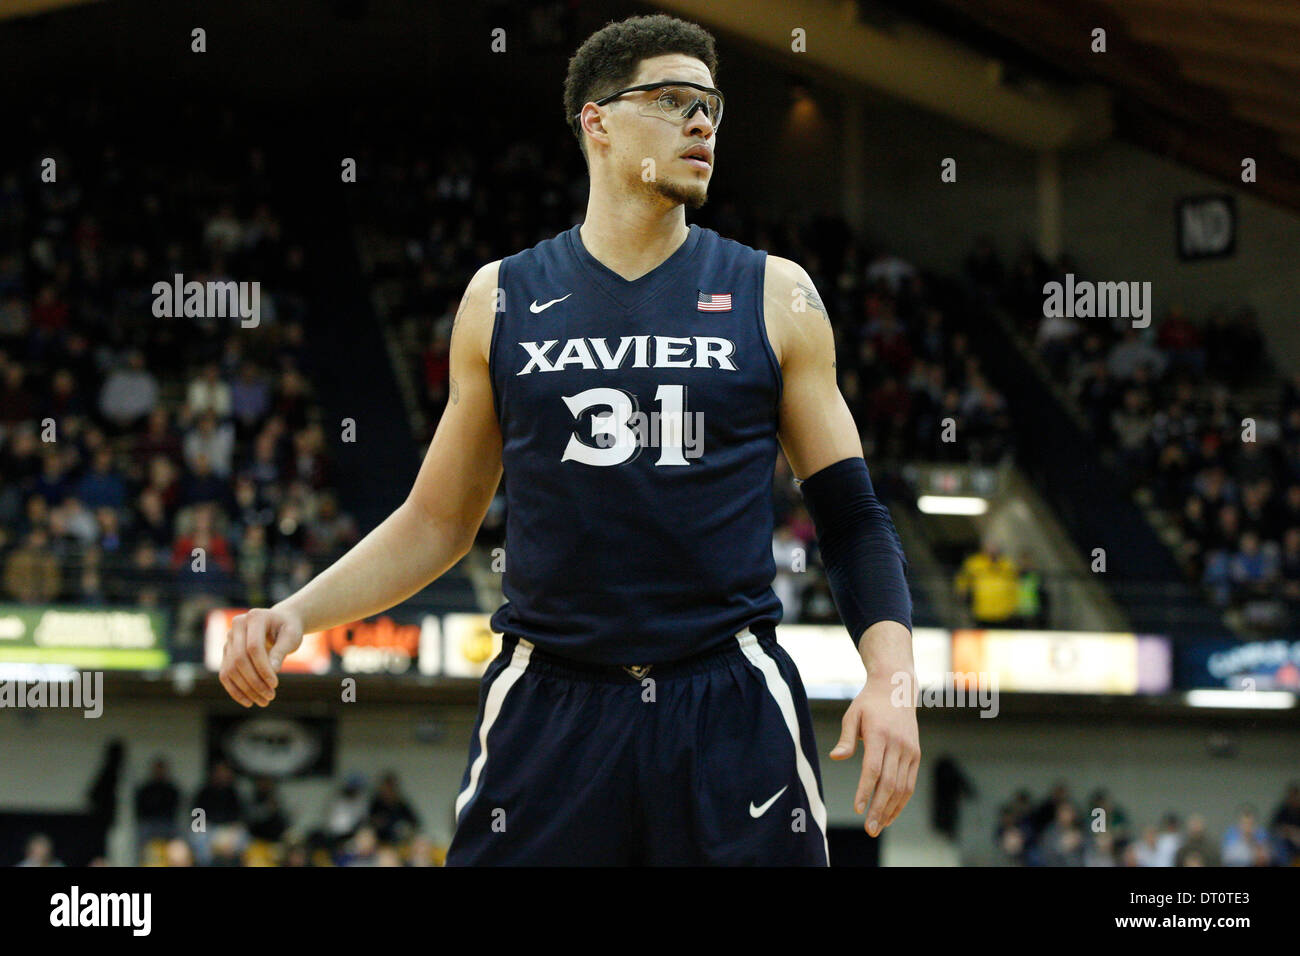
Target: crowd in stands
[238,826]
[1168,400]
[128,440]
[910,380]
[131,439]
[377,827]
[1056,831]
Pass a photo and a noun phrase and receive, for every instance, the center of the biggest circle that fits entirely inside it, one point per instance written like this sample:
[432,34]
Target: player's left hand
[883,716]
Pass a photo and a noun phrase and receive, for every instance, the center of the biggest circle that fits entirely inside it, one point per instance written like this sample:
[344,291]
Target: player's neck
[632,239]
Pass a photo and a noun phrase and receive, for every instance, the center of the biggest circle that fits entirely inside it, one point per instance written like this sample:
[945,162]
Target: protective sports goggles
[677,100]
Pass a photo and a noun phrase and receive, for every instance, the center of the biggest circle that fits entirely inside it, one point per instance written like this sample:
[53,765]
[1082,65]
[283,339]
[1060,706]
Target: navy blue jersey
[639,429]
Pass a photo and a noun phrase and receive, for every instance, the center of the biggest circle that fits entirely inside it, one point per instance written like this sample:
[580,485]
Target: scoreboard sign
[1207,227]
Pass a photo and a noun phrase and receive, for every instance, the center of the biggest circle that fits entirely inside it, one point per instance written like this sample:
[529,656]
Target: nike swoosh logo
[757,812]
[542,308]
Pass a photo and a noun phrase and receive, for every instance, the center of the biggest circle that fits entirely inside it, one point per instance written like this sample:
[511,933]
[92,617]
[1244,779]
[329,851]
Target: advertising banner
[87,638]
[380,645]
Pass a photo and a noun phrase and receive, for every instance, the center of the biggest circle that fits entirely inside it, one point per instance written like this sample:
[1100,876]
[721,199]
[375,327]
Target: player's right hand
[258,642]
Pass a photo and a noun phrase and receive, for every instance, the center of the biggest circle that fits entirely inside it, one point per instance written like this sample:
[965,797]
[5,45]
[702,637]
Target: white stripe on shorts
[491,709]
[780,690]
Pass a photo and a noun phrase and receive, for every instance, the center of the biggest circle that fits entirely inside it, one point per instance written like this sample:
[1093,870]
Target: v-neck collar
[633,292]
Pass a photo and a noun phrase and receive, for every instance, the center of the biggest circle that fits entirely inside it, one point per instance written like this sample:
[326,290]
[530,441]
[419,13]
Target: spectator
[1132,354]
[212,441]
[331,531]
[74,525]
[347,810]
[129,393]
[1181,340]
[156,802]
[102,486]
[1012,840]
[250,398]
[1062,842]
[1042,816]
[40,852]
[32,574]
[1055,340]
[1031,599]
[297,855]
[221,806]
[266,817]
[141,586]
[1245,841]
[1147,851]
[1286,826]
[150,522]
[420,852]
[390,814]
[1114,818]
[109,538]
[205,574]
[223,231]
[178,853]
[16,402]
[254,562]
[1100,850]
[1169,840]
[990,579]
[219,797]
[891,271]
[207,392]
[64,400]
[89,589]
[54,483]
[227,845]
[158,438]
[362,849]
[1197,849]
[203,535]
[1252,570]
[1131,426]
[203,486]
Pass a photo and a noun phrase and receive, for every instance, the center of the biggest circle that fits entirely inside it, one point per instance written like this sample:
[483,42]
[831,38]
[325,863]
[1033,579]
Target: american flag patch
[714,303]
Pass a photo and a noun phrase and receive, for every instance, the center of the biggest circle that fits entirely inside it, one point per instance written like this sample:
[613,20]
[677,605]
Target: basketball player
[634,375]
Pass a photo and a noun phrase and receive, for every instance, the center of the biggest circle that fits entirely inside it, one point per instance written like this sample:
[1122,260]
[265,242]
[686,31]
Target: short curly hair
[609,58]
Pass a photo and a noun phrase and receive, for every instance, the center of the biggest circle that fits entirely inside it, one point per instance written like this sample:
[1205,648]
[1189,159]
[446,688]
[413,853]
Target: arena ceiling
[1201,82]
[24,8]
[1205,83]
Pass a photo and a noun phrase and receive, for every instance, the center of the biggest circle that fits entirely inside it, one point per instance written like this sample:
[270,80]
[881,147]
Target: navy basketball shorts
[705,761]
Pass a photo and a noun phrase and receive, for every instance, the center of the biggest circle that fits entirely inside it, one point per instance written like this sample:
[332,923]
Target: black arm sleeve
[864,559]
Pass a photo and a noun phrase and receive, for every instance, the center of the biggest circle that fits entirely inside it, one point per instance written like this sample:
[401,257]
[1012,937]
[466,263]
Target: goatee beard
[690,198]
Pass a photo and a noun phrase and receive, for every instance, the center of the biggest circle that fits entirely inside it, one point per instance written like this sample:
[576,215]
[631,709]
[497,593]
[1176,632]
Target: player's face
[645,132]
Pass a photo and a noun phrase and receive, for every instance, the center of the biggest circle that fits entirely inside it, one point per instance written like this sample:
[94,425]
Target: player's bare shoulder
[796,318]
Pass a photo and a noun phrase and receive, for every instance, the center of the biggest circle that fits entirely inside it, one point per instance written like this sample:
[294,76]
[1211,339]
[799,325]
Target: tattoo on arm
[813,299]
[454,391]
[460,310]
